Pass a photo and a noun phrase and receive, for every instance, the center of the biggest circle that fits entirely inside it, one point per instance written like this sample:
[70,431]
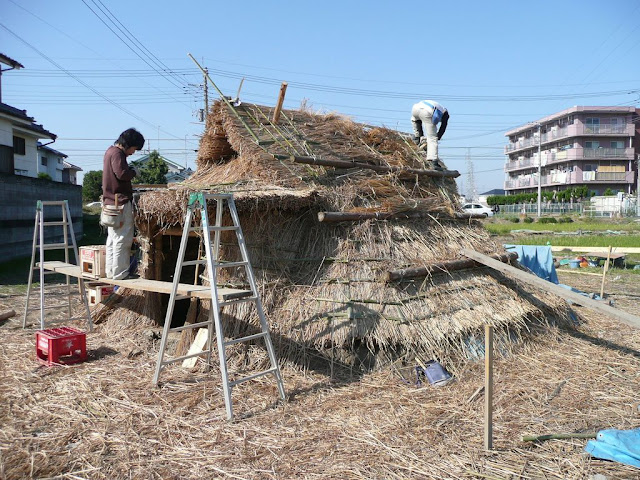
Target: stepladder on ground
[57,227]
[209,256]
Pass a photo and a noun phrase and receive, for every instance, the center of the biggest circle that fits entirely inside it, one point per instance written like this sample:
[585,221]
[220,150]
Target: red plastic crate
[62,346]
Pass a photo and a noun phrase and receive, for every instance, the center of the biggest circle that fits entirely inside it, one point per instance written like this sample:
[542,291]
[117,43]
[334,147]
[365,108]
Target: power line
[82,82]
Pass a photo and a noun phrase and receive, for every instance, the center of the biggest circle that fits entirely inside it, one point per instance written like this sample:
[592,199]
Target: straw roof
[322,284]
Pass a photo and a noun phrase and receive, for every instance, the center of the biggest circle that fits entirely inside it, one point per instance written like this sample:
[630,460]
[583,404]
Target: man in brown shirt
[117,190]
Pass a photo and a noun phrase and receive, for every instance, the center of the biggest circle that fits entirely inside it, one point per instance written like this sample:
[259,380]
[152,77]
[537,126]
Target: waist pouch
[112,216]
[437,116]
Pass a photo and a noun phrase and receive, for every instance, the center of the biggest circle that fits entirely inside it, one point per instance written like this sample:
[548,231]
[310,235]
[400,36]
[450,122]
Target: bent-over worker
[425,116]
[118,191]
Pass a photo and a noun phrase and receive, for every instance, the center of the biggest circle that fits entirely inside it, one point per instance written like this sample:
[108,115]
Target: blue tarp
[536,258]
[618,445]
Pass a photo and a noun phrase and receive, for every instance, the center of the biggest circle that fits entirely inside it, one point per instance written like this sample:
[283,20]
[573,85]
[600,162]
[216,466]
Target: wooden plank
[197,346]
[620,315]
[488,387]
[200,291]
[595,249]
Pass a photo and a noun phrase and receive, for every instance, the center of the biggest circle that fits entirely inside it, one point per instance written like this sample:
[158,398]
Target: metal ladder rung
[245,339]
[184,357]
[47,272]
[251,377]
[230,264]
[190,326]
[56,246]
[237,300]
[194,262]
[51,224]
[222,229]
[51,307]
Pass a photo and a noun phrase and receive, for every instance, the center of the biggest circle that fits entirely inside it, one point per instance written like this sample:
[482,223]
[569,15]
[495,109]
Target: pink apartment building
[596,147]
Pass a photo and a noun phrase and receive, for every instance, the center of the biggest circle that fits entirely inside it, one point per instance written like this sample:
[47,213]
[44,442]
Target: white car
[477,209]
[94,204]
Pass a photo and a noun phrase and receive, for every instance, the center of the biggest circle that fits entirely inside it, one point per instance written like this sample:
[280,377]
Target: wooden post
[276,114]
[488,387]
[604,272]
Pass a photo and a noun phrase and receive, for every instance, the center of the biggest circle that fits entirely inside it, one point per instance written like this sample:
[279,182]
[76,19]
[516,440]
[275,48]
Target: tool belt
[112,215]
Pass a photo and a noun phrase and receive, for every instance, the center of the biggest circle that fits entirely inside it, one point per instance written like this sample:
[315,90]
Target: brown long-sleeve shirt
[116,177]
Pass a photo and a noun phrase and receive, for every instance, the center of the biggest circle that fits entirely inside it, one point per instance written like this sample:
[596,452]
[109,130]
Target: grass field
[502,226]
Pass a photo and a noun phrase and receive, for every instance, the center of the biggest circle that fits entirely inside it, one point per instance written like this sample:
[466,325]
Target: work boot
[438,165]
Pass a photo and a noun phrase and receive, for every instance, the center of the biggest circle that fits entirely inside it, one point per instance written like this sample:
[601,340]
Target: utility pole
[206,93]
[471,187]
[539,170]
[638,185]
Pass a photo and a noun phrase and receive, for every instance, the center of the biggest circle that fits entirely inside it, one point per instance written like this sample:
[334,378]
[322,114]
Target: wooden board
[146,285]
[624,317]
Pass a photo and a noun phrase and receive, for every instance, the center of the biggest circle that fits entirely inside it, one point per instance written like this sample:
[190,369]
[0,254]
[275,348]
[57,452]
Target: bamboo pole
[335,217]
[226,100]
[604,272]
[377,168]
[488,387]
[556,436]
[443,267]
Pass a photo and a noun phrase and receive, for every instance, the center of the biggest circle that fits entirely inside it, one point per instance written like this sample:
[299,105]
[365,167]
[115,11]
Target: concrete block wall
[18,199]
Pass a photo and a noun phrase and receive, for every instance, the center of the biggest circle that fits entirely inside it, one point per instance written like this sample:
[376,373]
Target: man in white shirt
[425,116]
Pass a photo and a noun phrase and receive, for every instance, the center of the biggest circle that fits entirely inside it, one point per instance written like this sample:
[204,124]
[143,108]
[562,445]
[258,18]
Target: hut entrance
[169,256]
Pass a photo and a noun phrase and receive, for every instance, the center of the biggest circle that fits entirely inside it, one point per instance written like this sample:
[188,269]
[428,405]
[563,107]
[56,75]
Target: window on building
[591,144]
[617,144]
[43,161]
[593,121]
[19,146]
[589,167]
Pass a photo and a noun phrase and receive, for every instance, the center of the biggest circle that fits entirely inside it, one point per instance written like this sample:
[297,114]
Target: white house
[176,173]
[19,136]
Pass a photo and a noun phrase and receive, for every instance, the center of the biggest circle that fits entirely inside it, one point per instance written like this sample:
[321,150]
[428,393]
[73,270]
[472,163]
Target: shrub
[514,219]
[527,220]
[547,220]
[565,220]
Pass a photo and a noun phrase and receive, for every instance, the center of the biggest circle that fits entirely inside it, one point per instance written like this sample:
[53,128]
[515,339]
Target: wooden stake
[488,387]
[604,272]
[283,90]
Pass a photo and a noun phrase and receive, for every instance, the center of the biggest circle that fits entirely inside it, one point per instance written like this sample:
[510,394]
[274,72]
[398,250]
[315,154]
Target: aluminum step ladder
[198,204]
[38,249]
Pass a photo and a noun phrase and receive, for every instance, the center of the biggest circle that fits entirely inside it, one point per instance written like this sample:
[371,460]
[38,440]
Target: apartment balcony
[574,130]
[573,178]
[571,155]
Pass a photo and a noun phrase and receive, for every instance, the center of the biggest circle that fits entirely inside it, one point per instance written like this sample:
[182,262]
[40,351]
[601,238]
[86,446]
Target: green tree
[154,171]
[92,186]
[44,175]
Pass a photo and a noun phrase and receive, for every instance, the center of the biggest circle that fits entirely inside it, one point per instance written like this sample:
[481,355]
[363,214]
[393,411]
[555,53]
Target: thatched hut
[329,207]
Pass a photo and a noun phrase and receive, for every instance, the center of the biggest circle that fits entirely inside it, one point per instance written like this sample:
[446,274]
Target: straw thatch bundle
[323,284]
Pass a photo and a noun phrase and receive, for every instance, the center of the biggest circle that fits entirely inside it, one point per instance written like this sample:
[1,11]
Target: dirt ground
[102,418]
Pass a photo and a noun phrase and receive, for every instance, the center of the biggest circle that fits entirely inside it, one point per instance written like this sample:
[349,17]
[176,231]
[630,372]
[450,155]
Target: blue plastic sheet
[618,445]
[536,258]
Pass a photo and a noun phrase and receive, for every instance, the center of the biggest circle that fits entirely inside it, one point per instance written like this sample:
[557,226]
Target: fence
[628,208]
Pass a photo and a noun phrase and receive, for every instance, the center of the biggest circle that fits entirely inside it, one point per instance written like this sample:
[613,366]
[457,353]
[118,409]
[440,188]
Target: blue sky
[94,68]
